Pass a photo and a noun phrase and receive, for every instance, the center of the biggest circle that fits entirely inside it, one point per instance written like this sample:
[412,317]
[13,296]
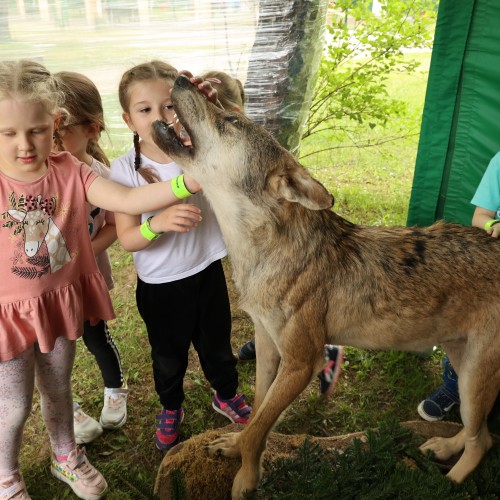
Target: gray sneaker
[114,411]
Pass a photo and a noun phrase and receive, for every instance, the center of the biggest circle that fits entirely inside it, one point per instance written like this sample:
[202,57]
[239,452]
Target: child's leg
[450,377]
[100,343]
[69,463]
[212,339]
[17,378]
[167,311]
[170,317]
[53,380]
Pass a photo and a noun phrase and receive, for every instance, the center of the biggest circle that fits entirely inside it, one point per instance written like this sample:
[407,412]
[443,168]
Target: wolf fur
[308,277]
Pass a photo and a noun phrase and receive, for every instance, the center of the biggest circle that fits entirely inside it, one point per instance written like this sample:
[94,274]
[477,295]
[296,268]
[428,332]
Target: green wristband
[490,223]
[147,232]
[179,188]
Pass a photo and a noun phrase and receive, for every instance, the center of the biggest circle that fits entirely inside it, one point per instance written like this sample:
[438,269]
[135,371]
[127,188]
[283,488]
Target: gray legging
[52,372]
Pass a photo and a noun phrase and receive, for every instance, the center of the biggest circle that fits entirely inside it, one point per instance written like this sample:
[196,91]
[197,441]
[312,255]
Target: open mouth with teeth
[178,139]
[173,142]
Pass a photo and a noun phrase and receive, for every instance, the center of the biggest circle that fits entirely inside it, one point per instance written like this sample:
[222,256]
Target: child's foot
[83,478]
[235,409]
[438,404]
[86,428]
[247,351]
[167,428]
[114,411]
[13,488]
[330,374]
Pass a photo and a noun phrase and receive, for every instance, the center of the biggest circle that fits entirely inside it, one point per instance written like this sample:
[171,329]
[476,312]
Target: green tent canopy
[461,120]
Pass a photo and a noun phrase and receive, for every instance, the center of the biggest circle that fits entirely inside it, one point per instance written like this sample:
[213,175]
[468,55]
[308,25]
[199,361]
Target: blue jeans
[450,377]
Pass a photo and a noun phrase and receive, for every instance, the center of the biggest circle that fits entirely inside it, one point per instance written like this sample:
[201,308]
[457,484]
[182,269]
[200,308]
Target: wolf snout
[182,81]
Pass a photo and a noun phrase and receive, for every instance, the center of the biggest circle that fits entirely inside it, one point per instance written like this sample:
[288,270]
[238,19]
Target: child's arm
[115,197]
[481,217]
[104,238]
[179,218]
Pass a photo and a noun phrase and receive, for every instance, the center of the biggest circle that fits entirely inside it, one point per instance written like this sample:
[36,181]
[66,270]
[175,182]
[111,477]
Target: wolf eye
[232,119]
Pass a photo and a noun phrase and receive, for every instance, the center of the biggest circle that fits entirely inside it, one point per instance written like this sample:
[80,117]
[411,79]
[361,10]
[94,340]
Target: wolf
[308,277]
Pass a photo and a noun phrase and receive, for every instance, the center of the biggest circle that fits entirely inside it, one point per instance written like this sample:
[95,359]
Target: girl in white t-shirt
[181,288]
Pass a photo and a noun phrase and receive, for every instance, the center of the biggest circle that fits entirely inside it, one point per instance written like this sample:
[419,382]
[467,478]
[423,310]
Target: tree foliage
[362,49]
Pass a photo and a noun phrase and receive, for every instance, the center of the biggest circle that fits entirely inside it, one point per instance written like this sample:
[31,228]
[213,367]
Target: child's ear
[57,120]
[126,119]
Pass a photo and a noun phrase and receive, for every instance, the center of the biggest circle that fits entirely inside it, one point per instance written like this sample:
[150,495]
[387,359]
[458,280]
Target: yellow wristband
[490,223]
[147,232]
[179,188]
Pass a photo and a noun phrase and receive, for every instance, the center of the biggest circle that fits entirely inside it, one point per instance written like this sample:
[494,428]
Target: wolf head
[227,149]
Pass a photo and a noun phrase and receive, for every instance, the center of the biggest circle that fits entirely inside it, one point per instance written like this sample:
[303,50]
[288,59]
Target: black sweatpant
[101,344]
[194,309]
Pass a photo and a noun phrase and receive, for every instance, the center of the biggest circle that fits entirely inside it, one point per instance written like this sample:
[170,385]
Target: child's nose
[25,143]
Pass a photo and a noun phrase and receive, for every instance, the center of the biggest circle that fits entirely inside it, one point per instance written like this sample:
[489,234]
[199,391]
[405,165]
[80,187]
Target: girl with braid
[181,288]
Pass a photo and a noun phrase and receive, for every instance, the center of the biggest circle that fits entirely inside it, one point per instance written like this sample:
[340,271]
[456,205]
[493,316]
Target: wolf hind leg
[478,385]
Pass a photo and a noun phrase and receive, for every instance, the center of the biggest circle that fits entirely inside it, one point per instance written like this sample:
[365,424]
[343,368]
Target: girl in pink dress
[50,281]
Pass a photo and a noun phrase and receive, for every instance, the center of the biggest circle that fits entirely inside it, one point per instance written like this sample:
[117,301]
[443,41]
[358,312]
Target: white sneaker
[86,428]
[114,412]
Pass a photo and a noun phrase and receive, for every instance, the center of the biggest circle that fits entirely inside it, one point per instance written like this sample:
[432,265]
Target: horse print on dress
[32,216]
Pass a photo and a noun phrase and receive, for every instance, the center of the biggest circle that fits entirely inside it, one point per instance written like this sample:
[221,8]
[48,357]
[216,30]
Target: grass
[371,186]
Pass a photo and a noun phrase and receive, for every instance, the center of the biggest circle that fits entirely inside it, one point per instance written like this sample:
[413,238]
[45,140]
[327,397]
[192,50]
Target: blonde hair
[83,104]
[32,82]
[230,90]
[153,70]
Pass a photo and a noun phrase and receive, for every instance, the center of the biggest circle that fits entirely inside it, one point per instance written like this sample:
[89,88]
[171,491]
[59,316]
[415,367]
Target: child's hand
[191,184]
[494,231]
[179,218]
[204,86]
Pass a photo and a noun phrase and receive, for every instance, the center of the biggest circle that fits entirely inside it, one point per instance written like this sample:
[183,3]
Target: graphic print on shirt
[31,218]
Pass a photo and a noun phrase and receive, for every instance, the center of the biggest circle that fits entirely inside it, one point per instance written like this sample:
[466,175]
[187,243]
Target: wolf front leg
[300,343]
[291,380]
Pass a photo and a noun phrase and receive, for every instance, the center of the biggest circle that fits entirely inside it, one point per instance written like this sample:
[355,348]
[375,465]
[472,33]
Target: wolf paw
[226,445]
[245,481]
[443,448]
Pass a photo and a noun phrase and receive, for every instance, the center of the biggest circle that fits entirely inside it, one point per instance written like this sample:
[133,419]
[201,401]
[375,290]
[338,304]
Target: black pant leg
[212,338]
[100,343]
[169,312]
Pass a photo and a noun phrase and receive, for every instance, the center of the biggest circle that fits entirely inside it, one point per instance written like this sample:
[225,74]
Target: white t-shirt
[173,256]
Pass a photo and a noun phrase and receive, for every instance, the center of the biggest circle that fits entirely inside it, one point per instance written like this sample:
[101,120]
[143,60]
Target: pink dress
[49,280]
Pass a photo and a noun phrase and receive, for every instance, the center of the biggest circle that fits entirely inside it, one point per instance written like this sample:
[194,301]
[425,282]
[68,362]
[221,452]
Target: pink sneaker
[167,428]
[84,479]
[334,355]
[13,488]
[235,409]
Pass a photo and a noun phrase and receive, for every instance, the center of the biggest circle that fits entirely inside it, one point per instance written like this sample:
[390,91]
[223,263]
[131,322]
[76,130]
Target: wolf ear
[297,186]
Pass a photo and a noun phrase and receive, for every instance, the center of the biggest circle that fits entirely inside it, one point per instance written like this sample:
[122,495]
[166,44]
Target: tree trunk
[283,66]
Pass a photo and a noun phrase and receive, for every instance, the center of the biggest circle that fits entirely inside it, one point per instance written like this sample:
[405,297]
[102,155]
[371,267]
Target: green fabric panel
[450,40]
[456,147]
[477,136]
